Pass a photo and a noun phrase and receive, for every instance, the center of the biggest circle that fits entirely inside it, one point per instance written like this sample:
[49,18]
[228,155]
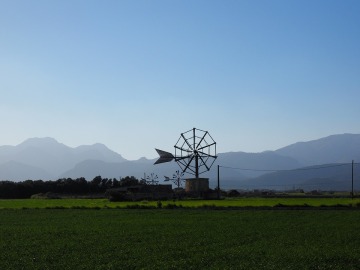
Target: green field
[238,202]
[98,234]
[179,239]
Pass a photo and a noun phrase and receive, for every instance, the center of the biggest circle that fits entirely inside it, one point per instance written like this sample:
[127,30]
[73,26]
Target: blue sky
[258,75]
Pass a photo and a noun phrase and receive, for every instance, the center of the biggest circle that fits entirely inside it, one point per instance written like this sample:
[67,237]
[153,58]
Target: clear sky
[133,75]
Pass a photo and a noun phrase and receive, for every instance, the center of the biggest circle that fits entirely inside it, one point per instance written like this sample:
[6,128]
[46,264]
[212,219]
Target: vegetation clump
[63,186]
[47,195]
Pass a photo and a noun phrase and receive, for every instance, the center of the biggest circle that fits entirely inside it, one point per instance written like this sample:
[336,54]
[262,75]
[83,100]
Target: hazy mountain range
[47,159]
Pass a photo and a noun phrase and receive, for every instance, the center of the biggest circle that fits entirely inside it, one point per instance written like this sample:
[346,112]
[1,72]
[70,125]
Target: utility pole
[218,180]
[352,180]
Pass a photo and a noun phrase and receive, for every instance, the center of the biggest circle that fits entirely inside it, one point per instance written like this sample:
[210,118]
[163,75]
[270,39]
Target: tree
[129,181]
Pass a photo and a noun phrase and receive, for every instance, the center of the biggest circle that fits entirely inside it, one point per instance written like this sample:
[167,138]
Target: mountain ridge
[53,157]
[54,160]
[334,148]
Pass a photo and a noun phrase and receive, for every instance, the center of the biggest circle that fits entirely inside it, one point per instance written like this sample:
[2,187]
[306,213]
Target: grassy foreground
[179,239]
[237,202]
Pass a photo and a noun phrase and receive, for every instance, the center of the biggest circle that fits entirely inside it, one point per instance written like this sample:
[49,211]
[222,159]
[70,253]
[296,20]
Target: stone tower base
[197,185]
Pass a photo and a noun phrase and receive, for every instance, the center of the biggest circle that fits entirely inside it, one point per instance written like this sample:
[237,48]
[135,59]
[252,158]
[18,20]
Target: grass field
[238,202]
[179,239]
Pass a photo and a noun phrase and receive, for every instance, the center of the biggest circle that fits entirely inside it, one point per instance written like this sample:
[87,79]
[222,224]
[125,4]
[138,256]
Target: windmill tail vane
[164,156]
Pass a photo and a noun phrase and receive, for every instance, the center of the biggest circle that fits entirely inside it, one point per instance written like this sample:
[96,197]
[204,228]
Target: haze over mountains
[47,159]
[332,149]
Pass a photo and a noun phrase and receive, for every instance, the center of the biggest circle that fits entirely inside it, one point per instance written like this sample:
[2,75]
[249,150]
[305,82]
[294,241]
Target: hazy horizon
[133,75]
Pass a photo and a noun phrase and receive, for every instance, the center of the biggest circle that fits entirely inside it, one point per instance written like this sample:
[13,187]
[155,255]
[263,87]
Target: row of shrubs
[207,206]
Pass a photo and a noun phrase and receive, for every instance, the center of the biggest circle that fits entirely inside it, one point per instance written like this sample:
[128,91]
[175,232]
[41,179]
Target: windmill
[177,178]
[150,179]
[195,153]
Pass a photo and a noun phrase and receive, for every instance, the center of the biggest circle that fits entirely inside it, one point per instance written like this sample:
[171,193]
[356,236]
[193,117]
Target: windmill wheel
[195,151]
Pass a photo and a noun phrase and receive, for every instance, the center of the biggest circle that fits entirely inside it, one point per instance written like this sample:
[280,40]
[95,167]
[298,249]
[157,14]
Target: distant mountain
[321,177]
[332,149]
[13,170]
[51,156]
[97,151]
[342,148]
[45,158]
[250,163]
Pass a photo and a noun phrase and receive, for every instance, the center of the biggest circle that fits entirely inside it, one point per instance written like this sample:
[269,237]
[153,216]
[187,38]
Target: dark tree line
[78,186]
